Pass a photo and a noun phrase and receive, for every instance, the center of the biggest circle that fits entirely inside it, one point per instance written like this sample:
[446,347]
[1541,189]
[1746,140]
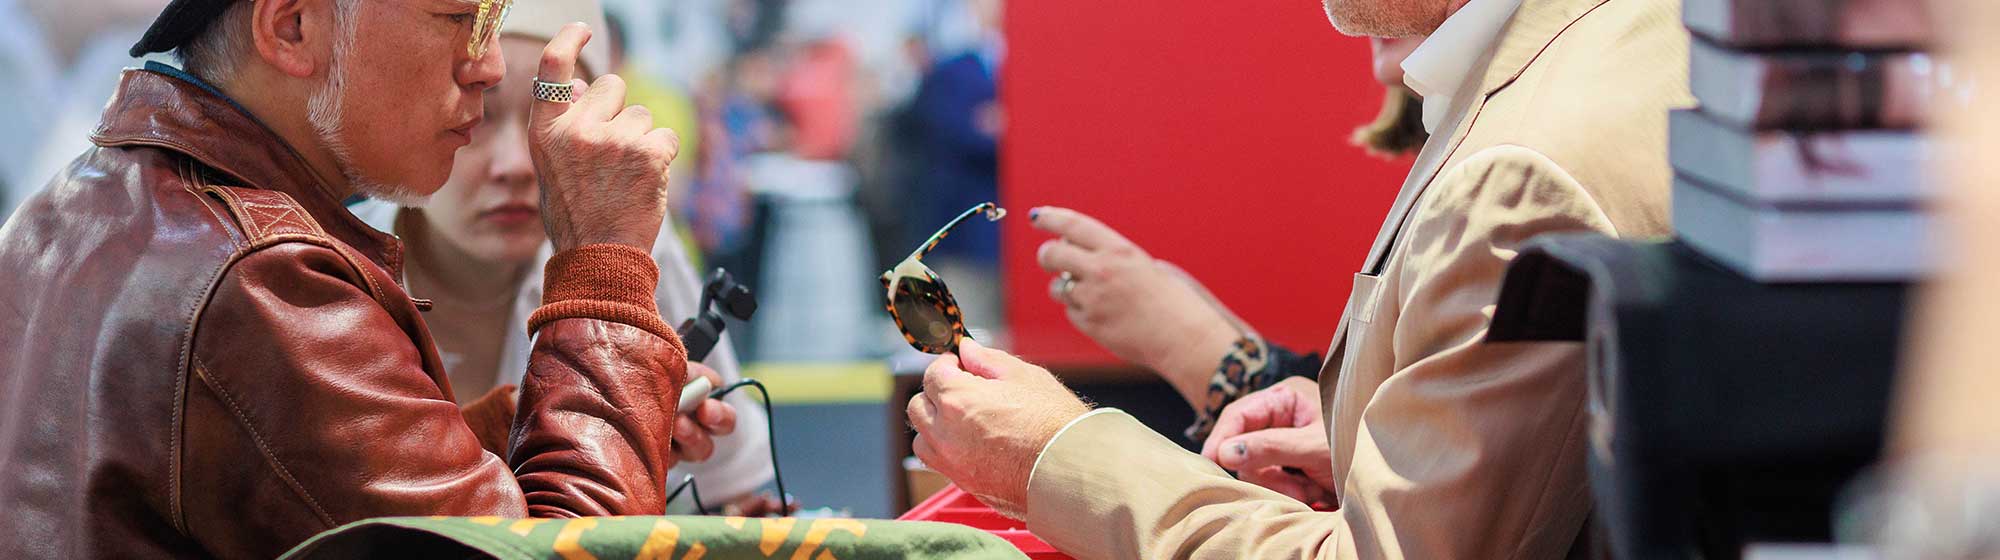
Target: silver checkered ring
[553,92]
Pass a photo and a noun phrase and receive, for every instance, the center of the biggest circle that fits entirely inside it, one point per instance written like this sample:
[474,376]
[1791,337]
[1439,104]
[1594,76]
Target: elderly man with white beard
[213,358]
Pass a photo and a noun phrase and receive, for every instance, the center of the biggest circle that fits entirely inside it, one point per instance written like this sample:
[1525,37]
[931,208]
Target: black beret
[181,21]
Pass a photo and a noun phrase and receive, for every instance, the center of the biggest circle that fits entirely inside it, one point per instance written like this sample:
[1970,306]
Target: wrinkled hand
[1145,311]
[1264,433]
[695,430]
[602,164]
[983,418]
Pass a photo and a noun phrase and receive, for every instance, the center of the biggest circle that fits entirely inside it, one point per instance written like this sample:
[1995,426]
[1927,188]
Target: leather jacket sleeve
[309,406]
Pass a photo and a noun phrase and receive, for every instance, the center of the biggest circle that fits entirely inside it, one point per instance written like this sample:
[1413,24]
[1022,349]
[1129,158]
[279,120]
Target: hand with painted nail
[1145,311]
[1276,438]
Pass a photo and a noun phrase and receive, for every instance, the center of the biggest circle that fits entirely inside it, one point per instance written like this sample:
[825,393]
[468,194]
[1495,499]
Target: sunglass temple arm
[993,214]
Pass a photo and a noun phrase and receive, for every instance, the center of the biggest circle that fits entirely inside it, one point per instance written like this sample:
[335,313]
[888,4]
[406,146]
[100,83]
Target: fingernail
[1241,449]
[1033,213]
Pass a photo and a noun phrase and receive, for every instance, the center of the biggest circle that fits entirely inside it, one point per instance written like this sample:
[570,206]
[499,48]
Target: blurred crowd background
[821,140]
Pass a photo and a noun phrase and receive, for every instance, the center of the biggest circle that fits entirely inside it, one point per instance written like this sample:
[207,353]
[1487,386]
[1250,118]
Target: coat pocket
[1361,305]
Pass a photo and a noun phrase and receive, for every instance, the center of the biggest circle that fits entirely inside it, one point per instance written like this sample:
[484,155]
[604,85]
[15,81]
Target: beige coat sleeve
[1468,450]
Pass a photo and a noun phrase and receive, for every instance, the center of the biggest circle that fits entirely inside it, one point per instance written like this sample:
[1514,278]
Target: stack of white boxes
[1805,162]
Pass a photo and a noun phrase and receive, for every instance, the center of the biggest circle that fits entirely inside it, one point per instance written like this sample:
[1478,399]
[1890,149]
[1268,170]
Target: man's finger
[604,100]
[695,445]
[558,66]
[635,120]
[716,417]
[927,453]
[1060,255]
[1300,448]
[701,369]
[944,372]
[1076,227]
[981,361]
[921,412]
[668,138]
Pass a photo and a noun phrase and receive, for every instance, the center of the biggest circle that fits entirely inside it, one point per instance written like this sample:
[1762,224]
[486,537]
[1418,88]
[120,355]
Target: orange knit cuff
[604,281]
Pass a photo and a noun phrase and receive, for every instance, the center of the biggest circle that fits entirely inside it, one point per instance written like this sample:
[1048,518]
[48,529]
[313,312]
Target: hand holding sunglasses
[918,300]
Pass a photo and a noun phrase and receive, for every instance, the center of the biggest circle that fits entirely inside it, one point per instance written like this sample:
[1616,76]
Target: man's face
[404,95]
[491,206]
[1387,18]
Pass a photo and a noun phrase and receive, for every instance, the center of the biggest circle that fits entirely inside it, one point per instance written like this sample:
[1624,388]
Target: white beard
[323,110]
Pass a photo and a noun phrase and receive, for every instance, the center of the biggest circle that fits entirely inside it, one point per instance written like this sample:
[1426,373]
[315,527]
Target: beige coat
[1443,446]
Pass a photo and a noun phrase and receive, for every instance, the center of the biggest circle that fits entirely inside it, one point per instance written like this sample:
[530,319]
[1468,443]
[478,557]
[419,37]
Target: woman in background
[477,249]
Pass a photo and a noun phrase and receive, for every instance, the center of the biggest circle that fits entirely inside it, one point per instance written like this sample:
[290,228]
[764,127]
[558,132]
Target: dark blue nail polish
[1034,213]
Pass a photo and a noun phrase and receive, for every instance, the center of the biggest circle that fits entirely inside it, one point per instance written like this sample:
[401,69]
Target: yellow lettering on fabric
[735,522]
[569,542]
[775,531]
[525,526]
[695,552]
[487,520]
[820,530]
[661,541]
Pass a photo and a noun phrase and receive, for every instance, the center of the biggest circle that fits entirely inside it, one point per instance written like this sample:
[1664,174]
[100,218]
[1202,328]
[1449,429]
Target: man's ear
[293,36]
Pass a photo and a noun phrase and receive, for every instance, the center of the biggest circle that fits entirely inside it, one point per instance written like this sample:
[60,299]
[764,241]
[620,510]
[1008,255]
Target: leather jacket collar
[161,106]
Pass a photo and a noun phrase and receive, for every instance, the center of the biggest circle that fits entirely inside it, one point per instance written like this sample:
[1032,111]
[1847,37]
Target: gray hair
[214,54]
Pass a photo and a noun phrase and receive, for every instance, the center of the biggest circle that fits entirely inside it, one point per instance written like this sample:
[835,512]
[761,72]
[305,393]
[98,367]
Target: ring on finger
[1068,283]
[554,92]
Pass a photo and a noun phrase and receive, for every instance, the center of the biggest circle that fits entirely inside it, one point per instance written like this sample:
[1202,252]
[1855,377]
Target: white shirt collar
[1440,70]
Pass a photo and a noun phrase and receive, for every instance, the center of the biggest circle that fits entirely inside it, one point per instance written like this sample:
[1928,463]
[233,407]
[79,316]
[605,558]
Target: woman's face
[1389,55]
[490,208]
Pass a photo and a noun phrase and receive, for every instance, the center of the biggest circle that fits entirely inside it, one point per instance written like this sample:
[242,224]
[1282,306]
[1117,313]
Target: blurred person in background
[1942,496]
[1150,313]
[957,122]
[477,249]
[817,98]
[214,358]
[1436,443]
[62,60]
[672,106]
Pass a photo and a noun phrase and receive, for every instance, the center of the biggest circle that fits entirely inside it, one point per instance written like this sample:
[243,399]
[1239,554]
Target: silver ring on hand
[554,92]
[1068,283]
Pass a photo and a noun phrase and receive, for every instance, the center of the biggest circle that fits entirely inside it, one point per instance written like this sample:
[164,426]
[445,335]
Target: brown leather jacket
[212,357]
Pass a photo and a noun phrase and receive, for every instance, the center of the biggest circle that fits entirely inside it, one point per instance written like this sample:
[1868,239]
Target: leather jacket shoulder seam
[367,283]
[263,448]
[177,511]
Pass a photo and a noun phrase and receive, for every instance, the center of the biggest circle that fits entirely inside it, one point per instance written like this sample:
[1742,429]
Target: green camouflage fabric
[651,538]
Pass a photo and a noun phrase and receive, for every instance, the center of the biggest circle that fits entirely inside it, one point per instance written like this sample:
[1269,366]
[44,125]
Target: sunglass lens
[928,313]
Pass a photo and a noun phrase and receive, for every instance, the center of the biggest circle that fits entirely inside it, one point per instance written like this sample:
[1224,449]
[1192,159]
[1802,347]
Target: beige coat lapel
[1532,29]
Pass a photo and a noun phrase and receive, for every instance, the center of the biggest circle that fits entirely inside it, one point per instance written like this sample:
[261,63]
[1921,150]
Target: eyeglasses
[485,25]
[922,307]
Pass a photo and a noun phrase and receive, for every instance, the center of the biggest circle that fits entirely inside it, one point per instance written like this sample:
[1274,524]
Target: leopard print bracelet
[1246,368]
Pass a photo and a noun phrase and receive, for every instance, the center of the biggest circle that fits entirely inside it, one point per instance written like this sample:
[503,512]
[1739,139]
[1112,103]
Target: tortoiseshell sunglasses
[922,307]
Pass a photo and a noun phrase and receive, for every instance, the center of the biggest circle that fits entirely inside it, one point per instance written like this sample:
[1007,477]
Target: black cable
[687,483]
[771,431]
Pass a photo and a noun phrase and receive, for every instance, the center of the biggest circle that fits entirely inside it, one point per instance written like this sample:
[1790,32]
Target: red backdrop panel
[1214,134]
